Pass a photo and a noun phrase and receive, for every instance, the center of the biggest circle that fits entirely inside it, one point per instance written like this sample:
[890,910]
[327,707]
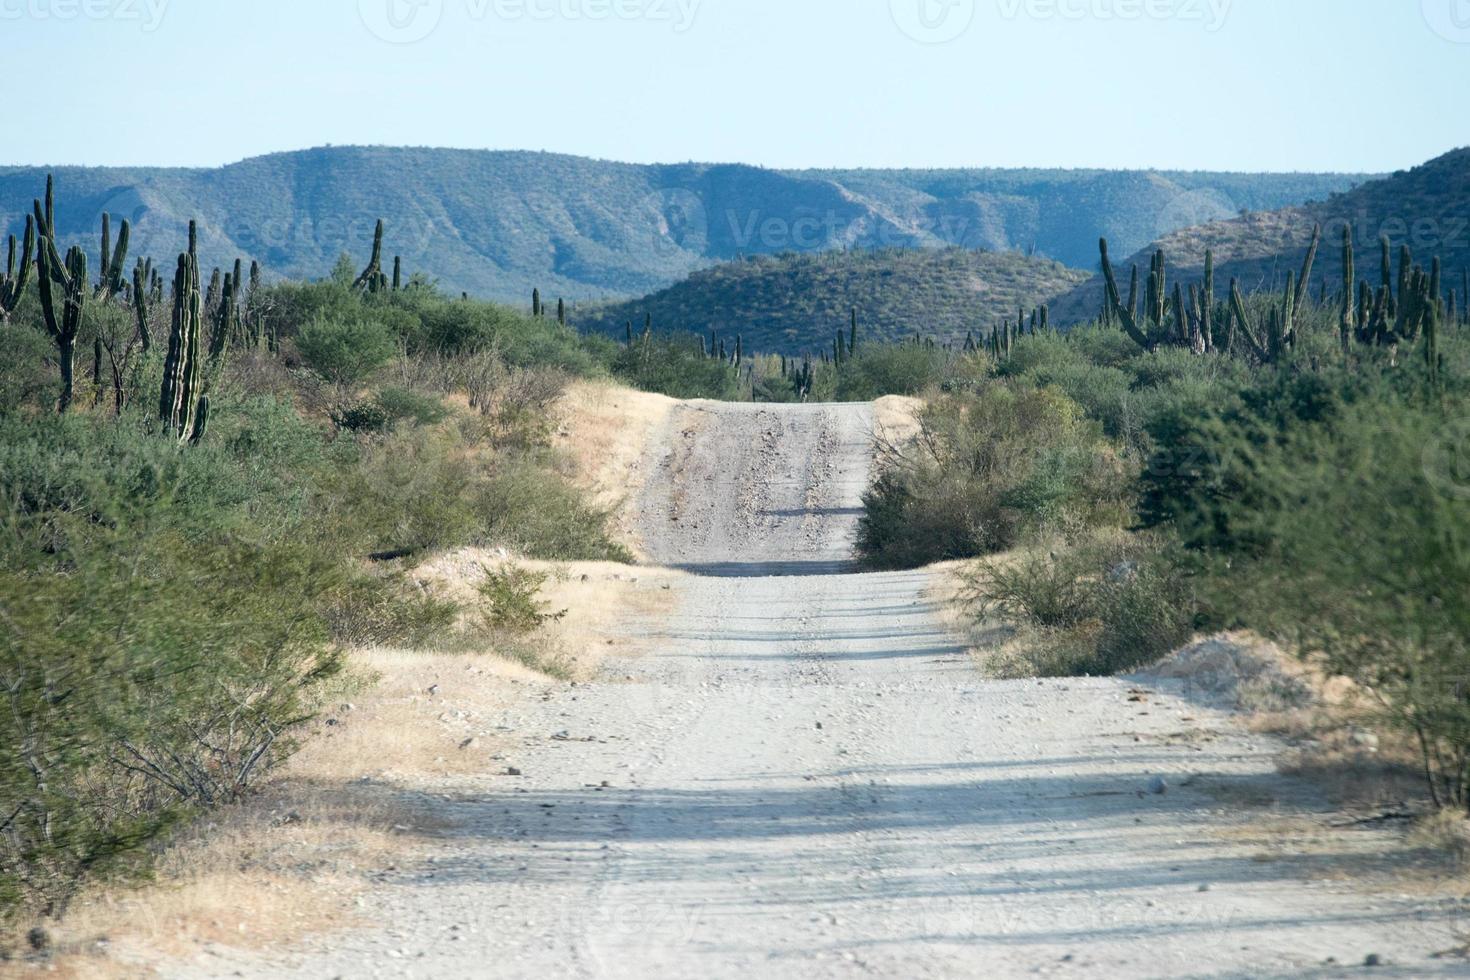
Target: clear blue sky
[1198,84]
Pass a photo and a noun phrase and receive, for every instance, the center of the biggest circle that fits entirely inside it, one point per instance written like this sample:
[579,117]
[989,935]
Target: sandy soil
[806,776]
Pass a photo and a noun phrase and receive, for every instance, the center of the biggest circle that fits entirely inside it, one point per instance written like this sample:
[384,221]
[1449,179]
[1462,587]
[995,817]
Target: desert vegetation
[1202,458]
[210,488]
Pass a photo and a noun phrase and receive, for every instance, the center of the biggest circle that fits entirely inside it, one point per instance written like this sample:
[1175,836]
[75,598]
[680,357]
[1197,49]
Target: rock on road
[809,777]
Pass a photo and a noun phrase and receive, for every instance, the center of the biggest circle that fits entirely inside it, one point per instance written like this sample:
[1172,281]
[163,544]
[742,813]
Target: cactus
[1207,302]
[536,302]
[1241,321]
[225,322]
[1349,322]
[140,306]
[111,280]
[372,277]
[852,339]
[181,412]
[63,324]
[1304,282]
[13,284]
[561,312]
[1114,303]
[397,273]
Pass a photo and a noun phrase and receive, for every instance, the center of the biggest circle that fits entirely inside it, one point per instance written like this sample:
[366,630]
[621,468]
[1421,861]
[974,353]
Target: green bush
[675,366]
[1102,606]
[346,352]
[1348,537]
[512,601]
[147,673]
[989,467]
[404,405]
[25,379]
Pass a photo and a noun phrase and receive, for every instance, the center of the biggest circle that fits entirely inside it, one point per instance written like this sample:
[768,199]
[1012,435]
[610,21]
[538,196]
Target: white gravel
[809,778]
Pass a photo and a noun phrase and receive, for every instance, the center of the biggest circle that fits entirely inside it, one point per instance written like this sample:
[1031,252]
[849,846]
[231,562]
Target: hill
[796,302]
[496,224]
[1427,208]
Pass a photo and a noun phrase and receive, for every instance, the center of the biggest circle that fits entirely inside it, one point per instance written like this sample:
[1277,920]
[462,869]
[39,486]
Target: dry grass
[896,419]
[606,431]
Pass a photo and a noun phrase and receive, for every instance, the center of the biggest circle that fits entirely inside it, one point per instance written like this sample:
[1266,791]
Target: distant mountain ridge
[797,302]
[496,224]
[1427,208]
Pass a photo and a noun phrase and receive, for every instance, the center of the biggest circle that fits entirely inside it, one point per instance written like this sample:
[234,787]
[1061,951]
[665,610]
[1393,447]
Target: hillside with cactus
[497,224]
[794,303]
[1426,209]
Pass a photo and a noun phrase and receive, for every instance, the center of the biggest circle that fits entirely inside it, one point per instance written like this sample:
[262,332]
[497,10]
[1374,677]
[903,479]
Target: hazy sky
[1199,84]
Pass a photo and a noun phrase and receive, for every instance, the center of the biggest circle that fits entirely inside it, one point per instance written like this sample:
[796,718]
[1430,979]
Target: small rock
[1373,961]
[819,726]
[1365,740]
[468,744]
[1158,786]
[1204,888]
[513,771]
[434,690]
[39,940]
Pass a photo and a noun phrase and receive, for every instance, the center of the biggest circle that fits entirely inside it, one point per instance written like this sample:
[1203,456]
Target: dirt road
[809,778]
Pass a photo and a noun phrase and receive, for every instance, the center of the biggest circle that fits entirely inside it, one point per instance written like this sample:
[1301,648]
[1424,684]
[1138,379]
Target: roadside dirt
[805,775]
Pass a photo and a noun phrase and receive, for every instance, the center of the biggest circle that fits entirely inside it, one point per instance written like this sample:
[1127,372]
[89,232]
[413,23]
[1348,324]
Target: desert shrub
[147,672]
[423,490]
[892,369]
[675,366]
[405,405]
[987,467]
[26,379]
[512,601]
[1349,539]
[363,418]
[1102,606]
[346,352]
[387,611]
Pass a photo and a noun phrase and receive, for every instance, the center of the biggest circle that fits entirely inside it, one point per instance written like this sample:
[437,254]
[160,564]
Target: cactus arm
[1243,322]
[1115,302]
[1304,283]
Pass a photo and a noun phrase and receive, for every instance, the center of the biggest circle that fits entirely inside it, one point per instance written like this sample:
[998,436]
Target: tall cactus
[183,414]
[13,284]
[111,281]
[372,278]
[65,323]
[141,295]
[1349,317]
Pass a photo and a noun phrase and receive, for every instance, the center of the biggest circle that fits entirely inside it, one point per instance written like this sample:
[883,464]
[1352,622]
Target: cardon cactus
[111,282]
[63,322]
[13,285]
[182,412]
